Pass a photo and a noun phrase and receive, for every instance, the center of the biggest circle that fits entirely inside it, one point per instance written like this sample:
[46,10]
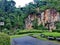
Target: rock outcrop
[46,18]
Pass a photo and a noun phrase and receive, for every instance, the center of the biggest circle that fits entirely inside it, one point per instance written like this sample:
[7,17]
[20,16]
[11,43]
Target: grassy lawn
[54,34]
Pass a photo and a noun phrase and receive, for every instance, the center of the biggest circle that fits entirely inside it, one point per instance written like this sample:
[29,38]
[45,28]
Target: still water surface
[30,41]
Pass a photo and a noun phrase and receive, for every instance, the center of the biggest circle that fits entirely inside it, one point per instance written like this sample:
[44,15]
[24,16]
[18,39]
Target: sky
[22,2]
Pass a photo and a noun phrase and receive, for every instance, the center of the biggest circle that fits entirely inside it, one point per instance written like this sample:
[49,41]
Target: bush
[41,27]
[57,30]
[57,25]
[5,31]
[4,39]
[29,31]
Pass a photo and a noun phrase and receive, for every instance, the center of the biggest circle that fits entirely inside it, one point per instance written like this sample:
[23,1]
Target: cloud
[22,2]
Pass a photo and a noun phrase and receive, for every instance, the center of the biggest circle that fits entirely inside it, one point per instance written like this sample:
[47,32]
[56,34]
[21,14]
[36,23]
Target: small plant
[30,34]
[41,27]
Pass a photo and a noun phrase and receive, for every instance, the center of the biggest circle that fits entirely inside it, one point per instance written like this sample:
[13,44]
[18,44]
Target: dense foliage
[4,39]
[14,18]
[57,27]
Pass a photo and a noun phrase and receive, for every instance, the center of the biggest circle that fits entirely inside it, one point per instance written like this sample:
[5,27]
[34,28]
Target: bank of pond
[5,38]
[53,36]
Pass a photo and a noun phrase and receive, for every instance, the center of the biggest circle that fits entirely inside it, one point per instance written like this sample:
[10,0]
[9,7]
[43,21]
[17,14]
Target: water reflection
[30,41]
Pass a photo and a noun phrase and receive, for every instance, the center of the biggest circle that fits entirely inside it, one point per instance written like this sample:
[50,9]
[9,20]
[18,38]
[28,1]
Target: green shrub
[41,27]
[4,39]
[35,24]
[9,32]
[29,31]
[57,30]
[5,31]
[57,25]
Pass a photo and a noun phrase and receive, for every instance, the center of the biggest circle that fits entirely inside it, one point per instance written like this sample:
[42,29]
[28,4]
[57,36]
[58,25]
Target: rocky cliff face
[47,18]
[50,16]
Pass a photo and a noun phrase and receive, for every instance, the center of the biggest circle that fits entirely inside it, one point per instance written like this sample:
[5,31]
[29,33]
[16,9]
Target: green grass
[22,35]
[18,36]
[54,34]
[19,32]
[30,31]
[45,39]
[38,36]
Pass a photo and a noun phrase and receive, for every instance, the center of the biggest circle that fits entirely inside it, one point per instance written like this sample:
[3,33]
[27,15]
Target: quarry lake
[31,41]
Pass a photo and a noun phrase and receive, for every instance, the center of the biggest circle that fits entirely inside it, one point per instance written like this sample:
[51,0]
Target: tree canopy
[15,17]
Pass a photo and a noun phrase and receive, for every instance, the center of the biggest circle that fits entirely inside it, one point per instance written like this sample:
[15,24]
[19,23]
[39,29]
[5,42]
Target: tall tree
[7,5]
